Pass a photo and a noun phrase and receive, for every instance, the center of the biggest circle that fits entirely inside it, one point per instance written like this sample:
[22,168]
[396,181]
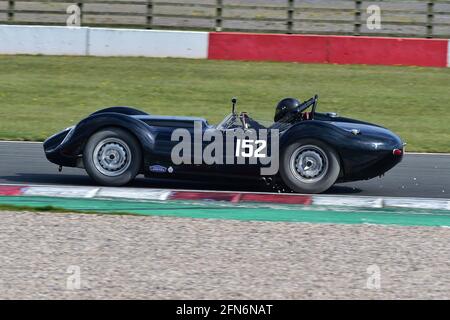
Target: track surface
[417,176]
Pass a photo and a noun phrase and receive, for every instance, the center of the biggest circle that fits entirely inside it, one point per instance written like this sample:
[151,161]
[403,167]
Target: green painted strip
[223,210]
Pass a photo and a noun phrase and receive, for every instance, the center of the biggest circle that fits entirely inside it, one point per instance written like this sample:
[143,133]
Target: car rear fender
[122,110]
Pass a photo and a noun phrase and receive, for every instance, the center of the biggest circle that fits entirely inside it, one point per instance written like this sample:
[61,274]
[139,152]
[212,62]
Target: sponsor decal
[157,169]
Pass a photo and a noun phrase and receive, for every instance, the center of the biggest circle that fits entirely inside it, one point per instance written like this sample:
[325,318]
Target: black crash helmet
[285,106]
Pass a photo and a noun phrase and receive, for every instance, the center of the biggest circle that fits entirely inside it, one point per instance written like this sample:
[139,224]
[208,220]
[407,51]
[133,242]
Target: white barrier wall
[448,54]
[43,40]
[154,43]
[102,42]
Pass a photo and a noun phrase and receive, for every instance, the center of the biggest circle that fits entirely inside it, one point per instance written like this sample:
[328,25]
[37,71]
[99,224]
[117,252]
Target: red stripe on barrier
[11,190]
[387,51]
[242,197]
[328,49]
[272,47]
[448,53]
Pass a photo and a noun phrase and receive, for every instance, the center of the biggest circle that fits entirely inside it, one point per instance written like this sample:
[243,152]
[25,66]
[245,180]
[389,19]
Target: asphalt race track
[419,175]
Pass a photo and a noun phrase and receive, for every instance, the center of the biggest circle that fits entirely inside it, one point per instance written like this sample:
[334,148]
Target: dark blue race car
[313,150]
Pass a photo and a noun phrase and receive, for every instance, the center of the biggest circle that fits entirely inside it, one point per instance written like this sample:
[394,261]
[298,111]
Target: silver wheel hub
[309,163]
[112,157]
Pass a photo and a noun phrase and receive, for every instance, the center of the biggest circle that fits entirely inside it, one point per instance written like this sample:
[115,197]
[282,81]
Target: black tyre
[309,166]
[112,157]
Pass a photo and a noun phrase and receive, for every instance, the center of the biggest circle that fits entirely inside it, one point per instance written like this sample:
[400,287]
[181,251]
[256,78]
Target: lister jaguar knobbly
[306,151]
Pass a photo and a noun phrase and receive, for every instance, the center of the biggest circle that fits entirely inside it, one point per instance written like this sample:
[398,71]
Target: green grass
[53,209]
[41,95]
[12,207]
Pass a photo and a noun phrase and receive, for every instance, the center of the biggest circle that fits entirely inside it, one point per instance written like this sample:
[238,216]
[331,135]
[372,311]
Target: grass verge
[53,209]
[40,95]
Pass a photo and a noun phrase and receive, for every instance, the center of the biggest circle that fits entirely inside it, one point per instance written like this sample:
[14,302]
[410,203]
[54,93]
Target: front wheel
[112,157]
[309,166]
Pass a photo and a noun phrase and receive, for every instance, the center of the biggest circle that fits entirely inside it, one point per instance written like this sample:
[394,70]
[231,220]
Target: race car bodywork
[315,149]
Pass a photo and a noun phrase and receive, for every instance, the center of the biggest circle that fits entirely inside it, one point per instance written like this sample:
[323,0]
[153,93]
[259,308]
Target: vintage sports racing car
[315,149]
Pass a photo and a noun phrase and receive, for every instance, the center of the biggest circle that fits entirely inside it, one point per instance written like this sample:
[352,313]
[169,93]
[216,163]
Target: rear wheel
[112,157]
[309,166]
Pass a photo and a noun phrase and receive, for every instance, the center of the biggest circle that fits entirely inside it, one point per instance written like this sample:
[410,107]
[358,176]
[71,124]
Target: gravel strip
[129,257]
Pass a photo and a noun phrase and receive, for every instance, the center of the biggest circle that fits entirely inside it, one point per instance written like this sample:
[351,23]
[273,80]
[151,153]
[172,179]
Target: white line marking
[448,53]
[93,193]
[427,154]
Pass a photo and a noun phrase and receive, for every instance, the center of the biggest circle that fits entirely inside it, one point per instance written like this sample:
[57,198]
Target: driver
[285,107]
